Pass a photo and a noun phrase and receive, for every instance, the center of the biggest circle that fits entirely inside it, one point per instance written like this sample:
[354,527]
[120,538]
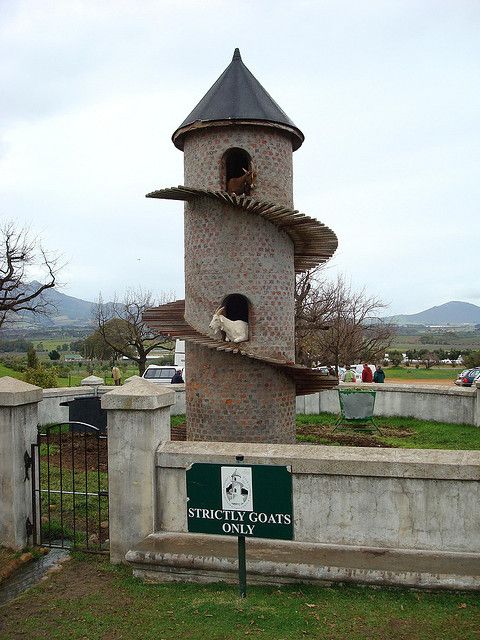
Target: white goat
[235,330]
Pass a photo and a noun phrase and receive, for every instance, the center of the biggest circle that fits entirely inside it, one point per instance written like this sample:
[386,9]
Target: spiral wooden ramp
[313,242]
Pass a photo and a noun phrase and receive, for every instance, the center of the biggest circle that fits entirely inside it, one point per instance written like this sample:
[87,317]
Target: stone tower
[242,251]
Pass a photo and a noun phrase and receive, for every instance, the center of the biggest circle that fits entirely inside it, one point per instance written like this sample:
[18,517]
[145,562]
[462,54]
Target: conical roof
[237,96]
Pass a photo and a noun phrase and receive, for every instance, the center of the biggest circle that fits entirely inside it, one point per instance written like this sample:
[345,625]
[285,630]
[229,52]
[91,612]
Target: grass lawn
[5,371]
[74,379]
[91,599]
[407,433]
[411,373]
[402,373]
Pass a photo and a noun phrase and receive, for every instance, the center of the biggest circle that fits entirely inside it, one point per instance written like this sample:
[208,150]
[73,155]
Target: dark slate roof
[237,95]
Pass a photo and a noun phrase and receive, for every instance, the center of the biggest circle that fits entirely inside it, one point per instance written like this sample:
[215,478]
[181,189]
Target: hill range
[451,313]
[64,311]
[68,311]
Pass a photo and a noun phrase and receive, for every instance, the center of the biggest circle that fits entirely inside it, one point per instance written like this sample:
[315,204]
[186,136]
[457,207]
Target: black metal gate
[70,487]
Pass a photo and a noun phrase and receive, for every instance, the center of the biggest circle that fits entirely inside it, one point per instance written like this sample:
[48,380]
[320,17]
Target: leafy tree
[19,345]
[428,358]
[20,255]
[54,355]
[335,325]
[472,359]
[78,346]
[121,326]
[395,357]
[32,358]
[96,348]
[42,377]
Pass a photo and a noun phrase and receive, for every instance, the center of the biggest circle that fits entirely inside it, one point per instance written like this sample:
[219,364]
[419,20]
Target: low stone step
[168,556]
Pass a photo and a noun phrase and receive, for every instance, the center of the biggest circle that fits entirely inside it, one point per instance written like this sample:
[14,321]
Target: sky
[385,91]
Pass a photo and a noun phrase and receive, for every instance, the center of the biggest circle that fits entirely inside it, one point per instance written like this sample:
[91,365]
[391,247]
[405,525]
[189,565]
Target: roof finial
[236,55]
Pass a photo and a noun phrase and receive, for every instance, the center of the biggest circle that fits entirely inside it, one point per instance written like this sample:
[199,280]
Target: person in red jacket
[367,375]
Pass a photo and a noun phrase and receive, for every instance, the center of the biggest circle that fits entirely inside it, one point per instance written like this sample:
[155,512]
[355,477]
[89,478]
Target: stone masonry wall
[229,251]
[269,148]
[235,399]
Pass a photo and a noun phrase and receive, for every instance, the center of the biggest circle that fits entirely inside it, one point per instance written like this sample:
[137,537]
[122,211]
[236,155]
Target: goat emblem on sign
[237,493]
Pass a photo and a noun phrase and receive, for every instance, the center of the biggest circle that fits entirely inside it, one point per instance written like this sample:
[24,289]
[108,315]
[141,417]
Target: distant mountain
[65,311]
[450,313]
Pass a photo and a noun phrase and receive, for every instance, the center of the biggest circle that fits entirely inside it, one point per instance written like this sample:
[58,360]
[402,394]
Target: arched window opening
[236,307]
[237,162]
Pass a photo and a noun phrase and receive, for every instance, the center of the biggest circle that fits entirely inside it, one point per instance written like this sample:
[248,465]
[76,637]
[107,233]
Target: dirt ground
[85,452]
[352,439]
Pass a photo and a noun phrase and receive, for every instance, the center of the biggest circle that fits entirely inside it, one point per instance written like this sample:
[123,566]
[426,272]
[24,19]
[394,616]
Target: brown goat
[242,184]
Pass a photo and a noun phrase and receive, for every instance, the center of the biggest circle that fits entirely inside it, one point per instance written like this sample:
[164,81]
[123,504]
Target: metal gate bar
[50,483]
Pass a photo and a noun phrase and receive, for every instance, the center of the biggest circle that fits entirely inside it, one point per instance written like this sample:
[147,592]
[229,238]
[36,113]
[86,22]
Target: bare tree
[120,325]
[335,325]
[22,257]
[313,305]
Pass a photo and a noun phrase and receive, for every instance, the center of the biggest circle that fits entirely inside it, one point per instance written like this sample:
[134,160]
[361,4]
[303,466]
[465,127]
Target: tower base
[236,399]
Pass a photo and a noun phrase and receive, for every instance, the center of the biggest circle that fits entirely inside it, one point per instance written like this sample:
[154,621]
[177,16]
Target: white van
[159,374]
[180,355]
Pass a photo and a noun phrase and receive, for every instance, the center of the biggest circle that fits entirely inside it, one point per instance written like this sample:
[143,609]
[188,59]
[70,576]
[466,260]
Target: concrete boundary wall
[50,411]
[383,516]
[439,403]
[455,405]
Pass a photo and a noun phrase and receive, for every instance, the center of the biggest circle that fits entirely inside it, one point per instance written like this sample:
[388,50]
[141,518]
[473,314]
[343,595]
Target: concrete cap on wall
[14,393]
[92,381]
[138,395]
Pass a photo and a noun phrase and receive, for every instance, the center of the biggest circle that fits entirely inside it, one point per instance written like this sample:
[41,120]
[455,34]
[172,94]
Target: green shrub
[41,377]
[472,360]
[32,359]
[16,363]
[63,371]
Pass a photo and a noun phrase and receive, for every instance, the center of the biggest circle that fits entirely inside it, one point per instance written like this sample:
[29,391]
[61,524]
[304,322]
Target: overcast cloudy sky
[386,93]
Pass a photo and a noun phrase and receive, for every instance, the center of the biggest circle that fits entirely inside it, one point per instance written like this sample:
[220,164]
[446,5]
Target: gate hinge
[29,527]
[27,459]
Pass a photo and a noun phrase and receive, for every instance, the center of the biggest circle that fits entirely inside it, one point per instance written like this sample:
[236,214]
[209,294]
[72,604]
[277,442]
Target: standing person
[116,375]
[349,376]
[177,377]
[367,375]
[379,375]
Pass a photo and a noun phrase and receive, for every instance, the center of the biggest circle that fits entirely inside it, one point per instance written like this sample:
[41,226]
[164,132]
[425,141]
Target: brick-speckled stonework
[229,251]
[269,148]
[244,243]
[233,399]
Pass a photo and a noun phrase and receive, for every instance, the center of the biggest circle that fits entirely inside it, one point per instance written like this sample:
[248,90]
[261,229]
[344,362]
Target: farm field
[436,341]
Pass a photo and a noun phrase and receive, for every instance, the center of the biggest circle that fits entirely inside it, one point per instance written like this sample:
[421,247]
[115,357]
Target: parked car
[159,373]
[326,370]
[468,377]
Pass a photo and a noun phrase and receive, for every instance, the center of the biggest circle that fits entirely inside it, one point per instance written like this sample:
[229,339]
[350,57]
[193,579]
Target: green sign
[240,500]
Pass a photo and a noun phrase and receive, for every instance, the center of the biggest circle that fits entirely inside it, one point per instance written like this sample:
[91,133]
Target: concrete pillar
[138,419]
[476,411]
[18,430]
